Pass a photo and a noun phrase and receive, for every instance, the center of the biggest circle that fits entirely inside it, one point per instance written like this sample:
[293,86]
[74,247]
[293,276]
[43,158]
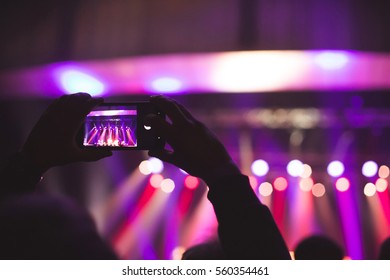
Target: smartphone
[120,126]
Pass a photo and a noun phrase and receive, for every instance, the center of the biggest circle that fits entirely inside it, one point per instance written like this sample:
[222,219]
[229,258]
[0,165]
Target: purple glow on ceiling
[332,60]
[72,81]
[166,85]
[241,71]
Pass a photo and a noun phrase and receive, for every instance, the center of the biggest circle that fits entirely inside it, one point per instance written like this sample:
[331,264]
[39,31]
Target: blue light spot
[73,81]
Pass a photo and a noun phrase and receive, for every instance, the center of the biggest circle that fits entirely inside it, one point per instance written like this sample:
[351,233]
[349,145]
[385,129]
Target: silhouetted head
[318,247]
[384,250]
[45,227]
[210,250]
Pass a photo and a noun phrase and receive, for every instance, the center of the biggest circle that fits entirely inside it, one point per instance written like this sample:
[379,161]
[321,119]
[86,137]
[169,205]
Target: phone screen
[111,126]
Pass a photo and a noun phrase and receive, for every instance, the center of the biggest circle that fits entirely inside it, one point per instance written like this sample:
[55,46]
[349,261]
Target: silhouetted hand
[52,141]
[195,148]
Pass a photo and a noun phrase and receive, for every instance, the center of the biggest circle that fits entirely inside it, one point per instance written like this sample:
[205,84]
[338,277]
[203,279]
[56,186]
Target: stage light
[156,165]
[318,190]
[72,81]
[369,168]
[280,184]
[166,85]
[167,185]
[306,184]
[335,168]
[260,167]
[144,167]
[155,180]
[307,171]
[369,189]
[331,60]
[381,185]
[191,182]
[253,182]
[265,189]
[342,184]
[295,168]
[384,172]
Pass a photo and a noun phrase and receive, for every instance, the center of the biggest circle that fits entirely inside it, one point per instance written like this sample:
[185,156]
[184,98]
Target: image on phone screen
[111,127]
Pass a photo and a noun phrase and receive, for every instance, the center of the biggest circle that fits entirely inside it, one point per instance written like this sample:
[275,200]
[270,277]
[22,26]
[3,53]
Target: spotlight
[280,184]
[369,168]
[342,184]
[156,165]
[335,168]
[155,180]
[318,190]
[144,167]
[265,189]
[306,184]
[383,172]
[295,168]
[260,167]
[167,185]
[191,182]
[369,189]
[381,185]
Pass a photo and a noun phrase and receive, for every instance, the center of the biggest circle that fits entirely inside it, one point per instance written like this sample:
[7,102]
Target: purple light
[166,85]
[331,60]
[335,168]
[260,167]
[370,168]
[72,81]
[295,168]
[112,113]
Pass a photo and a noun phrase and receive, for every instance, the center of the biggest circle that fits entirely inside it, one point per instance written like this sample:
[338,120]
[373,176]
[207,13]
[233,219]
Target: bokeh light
[260,167]
[295,168]
[144,167]
[335,168]
[381,184]
[342,184]
[167,185]
[191,182]
[178,252]
[156,165]
[265,189]
[280,184]
[369,189]
[318,190]
[306,184]
[307,171]
[155,180]
[369,168]
[383,171]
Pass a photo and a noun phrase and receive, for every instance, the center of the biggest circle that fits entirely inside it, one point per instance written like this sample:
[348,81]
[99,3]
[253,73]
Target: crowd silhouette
[38,225]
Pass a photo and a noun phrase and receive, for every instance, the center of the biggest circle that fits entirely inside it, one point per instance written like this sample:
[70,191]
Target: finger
[169,107]
[187,113]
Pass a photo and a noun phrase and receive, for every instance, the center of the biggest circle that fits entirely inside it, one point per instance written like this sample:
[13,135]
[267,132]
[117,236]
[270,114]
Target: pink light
[253,182]
[342,184]
[381,185]
[280,184]
[260,167]
[191,182]
[156,180]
